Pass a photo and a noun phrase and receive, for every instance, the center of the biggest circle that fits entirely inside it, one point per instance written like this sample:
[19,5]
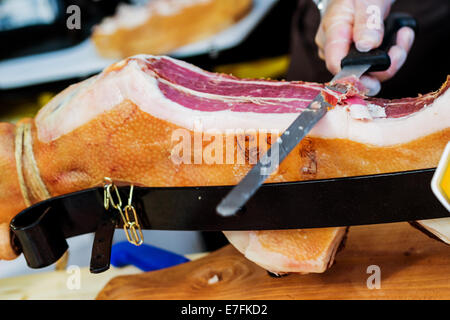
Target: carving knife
[354,64]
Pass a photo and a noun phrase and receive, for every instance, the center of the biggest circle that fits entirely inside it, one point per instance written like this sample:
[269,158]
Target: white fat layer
[376,111]
[131,83]
[131,16]
[366,112]
[360,112]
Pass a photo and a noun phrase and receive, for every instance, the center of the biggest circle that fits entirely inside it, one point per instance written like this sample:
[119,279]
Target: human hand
[361,22]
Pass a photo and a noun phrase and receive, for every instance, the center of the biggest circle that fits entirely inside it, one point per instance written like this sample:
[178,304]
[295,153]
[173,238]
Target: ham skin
[120,123]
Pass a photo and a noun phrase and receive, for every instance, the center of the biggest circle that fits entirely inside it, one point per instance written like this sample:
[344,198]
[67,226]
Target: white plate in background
[82,60]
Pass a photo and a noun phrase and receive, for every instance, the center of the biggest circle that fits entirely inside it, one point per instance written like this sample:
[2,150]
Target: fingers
[320,41]
[368,28]
[405,38]
[321,54]
[360,21]
[372,85]
[335,33]
[397,53]
[337,46]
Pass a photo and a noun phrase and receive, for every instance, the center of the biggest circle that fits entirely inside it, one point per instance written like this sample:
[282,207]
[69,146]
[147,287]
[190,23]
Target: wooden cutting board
[412,266]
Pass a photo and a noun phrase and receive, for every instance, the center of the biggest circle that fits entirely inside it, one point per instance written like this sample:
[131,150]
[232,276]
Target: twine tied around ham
[31,185]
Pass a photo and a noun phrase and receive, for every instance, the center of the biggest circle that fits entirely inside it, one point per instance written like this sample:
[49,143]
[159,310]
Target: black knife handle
[378,58]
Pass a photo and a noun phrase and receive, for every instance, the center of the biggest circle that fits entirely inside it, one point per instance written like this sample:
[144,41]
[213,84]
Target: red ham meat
[139,122]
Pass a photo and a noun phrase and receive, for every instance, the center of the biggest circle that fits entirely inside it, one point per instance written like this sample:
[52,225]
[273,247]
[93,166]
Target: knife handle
[378,58]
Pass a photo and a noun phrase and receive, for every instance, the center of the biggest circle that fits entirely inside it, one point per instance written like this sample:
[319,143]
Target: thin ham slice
[121,124]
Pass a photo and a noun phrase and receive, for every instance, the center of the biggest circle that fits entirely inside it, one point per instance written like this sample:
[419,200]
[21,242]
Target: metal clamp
[129,215]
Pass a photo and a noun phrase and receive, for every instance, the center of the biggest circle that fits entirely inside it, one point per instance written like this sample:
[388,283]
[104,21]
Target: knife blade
[278,151]
[351,70]
[354,64]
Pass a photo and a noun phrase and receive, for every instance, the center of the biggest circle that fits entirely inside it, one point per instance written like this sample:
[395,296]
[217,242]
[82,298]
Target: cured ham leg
[128,122]
[162,26]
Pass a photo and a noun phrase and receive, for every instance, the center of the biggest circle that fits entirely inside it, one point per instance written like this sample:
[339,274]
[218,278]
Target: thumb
[368,29]
[372,85]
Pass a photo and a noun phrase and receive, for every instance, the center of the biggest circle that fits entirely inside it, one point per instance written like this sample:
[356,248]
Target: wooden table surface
[412,266]
[54,285]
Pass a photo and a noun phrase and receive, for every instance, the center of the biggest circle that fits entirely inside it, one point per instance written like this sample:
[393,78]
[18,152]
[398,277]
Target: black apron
[426,66]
